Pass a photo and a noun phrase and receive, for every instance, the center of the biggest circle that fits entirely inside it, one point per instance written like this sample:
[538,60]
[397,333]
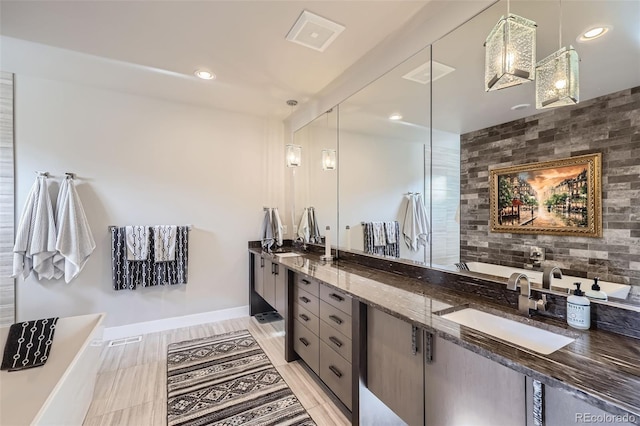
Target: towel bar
[110,227]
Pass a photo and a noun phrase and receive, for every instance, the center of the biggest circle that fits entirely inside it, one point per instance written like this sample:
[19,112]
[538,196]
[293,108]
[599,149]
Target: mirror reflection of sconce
[328,159]
[294,155]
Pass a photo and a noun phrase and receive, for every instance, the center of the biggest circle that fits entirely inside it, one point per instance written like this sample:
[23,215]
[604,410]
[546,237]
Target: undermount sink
[287,254]
[533,338]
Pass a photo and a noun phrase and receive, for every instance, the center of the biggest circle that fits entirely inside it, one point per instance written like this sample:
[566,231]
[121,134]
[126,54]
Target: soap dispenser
[578,309]
[595,292]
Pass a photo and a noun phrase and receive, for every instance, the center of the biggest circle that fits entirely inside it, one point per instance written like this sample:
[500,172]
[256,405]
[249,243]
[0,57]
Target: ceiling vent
[314,31]
[422,74]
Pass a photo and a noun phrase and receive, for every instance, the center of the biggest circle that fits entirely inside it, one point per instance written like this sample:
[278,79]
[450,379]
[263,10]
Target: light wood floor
[131,388]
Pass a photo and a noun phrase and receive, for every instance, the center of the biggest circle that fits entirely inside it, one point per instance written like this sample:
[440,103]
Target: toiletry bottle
[595,292]
[578,309]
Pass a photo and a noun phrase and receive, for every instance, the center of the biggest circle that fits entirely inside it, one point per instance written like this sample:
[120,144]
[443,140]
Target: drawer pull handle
[304,317]
[336,297]
[262,262]
[305,299]
[335,371]
[335,319]
[306,282]
[304,341]
[335,341]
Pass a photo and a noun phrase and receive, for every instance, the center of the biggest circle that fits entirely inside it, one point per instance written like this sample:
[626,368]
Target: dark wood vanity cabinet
[462,387]
[395,365]
[269,281]
[322,333]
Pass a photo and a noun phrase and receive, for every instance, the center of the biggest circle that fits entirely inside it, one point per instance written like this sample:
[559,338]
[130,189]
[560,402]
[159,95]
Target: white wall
[375,173]
[146,161]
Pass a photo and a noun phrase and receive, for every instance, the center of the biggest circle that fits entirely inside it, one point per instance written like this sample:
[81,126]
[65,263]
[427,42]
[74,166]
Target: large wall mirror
[315,180]
[503,128]
[429,127]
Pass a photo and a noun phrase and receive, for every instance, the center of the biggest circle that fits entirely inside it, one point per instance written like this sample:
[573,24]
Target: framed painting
[559,197]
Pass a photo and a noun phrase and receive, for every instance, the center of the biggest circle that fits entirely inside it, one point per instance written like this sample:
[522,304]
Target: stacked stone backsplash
[609,124]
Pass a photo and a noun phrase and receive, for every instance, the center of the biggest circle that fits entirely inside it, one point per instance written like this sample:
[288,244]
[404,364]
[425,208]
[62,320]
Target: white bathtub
[59,392]
[620,291]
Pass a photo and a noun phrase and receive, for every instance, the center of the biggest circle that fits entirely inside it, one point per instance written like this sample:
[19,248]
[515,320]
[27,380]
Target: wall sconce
[294,155]
[510,53]
[328,159]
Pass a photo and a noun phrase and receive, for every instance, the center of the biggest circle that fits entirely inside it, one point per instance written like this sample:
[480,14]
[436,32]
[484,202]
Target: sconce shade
[510,53]
[328,159]
[557,79]
[294,155]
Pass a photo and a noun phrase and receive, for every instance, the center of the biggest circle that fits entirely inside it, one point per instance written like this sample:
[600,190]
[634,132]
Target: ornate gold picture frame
[559,197]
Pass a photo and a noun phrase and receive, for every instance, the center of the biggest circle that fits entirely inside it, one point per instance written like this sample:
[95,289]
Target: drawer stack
[322,333]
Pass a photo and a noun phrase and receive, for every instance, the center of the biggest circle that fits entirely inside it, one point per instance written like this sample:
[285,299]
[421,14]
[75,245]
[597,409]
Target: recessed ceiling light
[593,33]
[204,74]
[520,106]
[395,117]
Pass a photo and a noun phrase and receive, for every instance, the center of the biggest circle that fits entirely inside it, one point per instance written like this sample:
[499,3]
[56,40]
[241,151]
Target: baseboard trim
[135,329]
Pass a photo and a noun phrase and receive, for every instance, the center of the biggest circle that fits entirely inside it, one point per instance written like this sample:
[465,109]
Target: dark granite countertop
[599,367]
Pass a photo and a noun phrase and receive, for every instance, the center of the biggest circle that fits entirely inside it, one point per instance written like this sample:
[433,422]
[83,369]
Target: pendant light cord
[560,27]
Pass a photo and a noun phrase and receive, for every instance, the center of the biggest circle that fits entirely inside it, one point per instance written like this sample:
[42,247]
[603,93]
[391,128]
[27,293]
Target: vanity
[355,326]
[436,335]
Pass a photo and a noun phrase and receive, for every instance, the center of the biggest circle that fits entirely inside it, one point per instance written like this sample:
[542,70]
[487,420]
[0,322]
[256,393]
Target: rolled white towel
[164,242]
[137,239]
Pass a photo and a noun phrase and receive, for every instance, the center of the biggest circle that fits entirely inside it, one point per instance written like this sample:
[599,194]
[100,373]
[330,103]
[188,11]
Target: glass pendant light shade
[293,155]
[328,159]
[557,79]
[510,53]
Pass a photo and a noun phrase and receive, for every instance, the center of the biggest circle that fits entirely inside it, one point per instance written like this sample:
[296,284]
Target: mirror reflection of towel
[379,238]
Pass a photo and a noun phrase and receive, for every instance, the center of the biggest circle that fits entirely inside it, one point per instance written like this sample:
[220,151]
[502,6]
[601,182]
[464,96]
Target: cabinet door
[462,387]
[561,408]
[394,373]
[280,290]
[269,293]
[258,274]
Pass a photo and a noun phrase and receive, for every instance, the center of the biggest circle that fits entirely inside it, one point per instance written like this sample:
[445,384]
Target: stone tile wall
[609,124]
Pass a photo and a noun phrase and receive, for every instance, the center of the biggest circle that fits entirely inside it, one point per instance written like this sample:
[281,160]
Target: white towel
[75,241]
[266,232]
[58,259]
[277,227]
[314,228]
[164,242]
[423,221]
[137,238]
[303,228]
[379,239]
[36,235]
[390,228]
[410,227]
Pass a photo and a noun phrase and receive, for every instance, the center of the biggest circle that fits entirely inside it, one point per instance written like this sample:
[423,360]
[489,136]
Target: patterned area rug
[228,380]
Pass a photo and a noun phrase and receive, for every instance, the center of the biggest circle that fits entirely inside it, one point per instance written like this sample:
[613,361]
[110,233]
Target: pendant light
[293,154]
[510,52]
[557,76]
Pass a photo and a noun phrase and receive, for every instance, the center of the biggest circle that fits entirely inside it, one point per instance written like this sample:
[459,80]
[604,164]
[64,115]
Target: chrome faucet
[525,302]
[547,273]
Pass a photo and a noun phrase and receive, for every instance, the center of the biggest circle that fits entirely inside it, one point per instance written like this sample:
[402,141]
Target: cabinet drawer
[336,340]
[335,318]
[306,318]
[335,372]
[308,284]
[306,344]
[336,298]
[306,300]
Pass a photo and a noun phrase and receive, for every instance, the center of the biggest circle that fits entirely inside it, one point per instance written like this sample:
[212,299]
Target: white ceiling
[460,104]
[243,42]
